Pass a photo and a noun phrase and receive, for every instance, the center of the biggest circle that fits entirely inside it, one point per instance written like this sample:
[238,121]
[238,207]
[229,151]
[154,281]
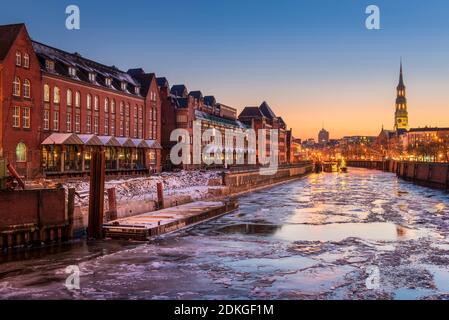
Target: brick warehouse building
[56,107]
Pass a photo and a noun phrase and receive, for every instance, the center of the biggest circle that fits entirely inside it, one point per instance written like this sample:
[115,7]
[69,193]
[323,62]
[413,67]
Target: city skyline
[310,65]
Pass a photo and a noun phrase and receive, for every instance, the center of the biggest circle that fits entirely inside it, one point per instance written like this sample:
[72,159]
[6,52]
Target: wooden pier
[145,226]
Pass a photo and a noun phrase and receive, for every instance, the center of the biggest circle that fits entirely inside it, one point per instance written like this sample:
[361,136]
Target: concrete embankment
[433,174]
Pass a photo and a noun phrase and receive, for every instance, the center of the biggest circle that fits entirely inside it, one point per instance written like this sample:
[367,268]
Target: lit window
[26,117]
[106,126]
[56,95]
[16,87]
[46,119]
[96,124]
[69,97]
[27,88]
[89,102]
[88,123]
[69,122]
[18,58]
[21,152]
[77,123]
[77,99]
[72,71]
[16,117]
[26,60]
[46,93]
[56,120]
[49,65]
[96,103]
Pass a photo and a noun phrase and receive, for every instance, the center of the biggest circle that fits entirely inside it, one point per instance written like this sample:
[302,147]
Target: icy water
[316,238]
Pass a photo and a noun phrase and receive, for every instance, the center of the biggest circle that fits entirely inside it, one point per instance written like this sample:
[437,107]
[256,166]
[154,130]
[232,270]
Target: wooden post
[160,195]
[70,212]
[96,195]
[112,200]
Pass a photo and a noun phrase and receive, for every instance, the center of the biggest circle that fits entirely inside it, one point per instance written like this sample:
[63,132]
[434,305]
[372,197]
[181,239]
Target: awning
[90,140]
[63,139]
[140,143]
[126,142]
[153,144]
[109,141]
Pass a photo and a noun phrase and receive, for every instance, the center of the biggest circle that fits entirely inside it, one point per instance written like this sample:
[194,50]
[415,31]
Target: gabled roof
[90,140]
[266,110]
[63,139]
[182,102]
[196,94]
[179,90]
[162,82]
[210,100]
[251,112]
[144,79]
[109,141]
[8,34]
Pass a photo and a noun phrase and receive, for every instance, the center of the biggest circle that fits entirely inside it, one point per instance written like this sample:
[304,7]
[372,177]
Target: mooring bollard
[160,195]
[96,195]
[112,201]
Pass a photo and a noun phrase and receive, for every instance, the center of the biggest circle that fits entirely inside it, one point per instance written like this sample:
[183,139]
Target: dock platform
[151,224]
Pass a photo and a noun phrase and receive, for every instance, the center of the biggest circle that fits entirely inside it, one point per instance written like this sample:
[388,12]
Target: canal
[316,238]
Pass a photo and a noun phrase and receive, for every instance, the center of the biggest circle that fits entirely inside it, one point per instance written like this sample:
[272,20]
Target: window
[127,110]
[56,95]
[46,118]
[21,152]
[16,87]
[123,86]
[26,60]
[92,77]
[72,71]
[112,125]
[56,120]
[135,127]
[88,123]
[108,82]
[95,124]
[127,127]
[96,103]
[16,117]
[106,105]
[26,89]
[137,90]
[69,97]
[26,117]
[89,102]
[77,99]
[121,108]
[46,93]
[106,126]
[77,123]
[18,58]
[113,106]
[121,126]
[69,122]
[49,65]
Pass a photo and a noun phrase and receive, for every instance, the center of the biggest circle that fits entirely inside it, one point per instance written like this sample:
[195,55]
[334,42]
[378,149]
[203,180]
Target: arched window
[77,99]
[89,101]
[16,87]
[112,106]
[46,93]
[96,103]
[18,58]
[69,97]
[21,152]
[106,105]
[26,60]
[27,88]
[56,95]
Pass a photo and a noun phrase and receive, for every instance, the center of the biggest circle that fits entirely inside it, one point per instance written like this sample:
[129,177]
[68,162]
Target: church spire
[401,114]
[401,77]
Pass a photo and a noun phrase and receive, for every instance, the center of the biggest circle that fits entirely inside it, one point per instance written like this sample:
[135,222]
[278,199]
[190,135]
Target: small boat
[330,166]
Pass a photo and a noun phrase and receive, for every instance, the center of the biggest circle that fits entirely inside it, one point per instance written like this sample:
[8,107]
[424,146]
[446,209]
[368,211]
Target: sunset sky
[312,61]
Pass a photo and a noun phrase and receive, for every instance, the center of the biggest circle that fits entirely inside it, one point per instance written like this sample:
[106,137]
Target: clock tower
[401,114]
